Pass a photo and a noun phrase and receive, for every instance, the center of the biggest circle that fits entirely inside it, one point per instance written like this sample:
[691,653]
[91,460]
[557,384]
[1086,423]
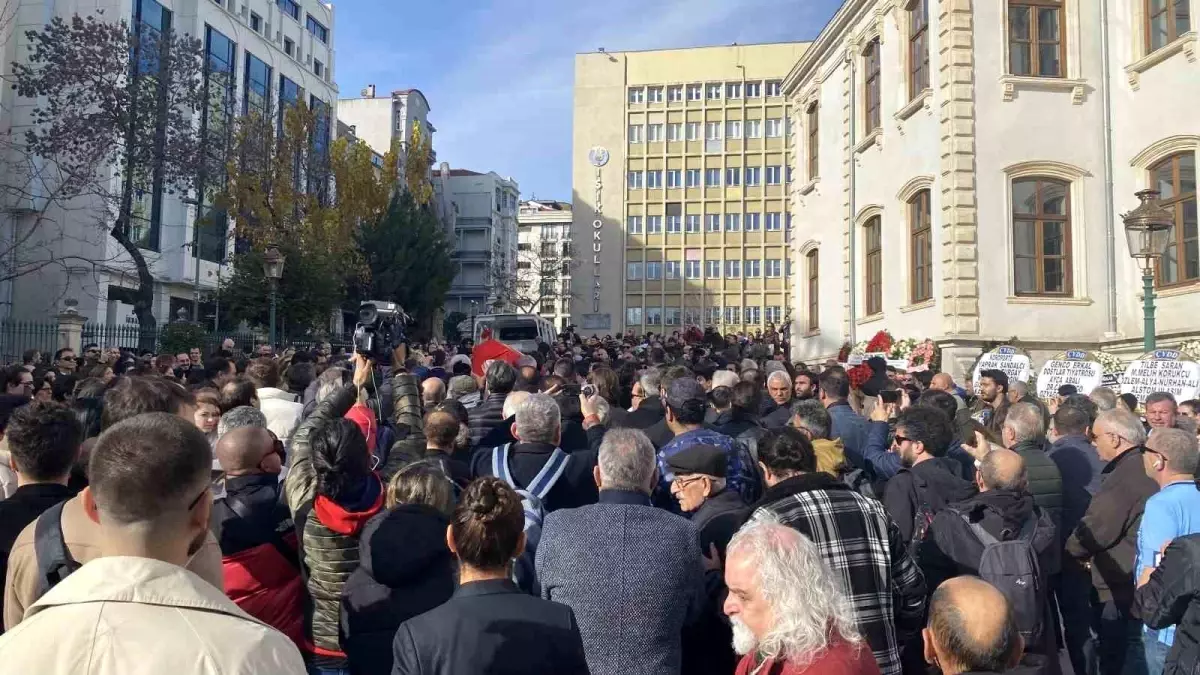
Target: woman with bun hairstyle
[489,626]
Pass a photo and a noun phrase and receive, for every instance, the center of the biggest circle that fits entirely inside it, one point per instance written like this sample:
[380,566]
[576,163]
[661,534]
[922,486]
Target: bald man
[256,534]
[1005,511]
[433,392]
[971,629]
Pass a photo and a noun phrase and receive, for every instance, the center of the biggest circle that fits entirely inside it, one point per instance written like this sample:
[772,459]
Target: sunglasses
[68,358]
[898,439]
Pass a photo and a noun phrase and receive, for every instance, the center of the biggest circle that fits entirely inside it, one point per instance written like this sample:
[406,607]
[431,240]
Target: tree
[416,166]
[115,114]
[311,288]
[535,279]
[408,259]
[450,326]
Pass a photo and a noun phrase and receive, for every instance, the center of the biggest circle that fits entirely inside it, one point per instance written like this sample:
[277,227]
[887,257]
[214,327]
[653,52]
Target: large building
[960,170]
[680,188]
[270,52]
[381,122]
[545,259]
[484,208]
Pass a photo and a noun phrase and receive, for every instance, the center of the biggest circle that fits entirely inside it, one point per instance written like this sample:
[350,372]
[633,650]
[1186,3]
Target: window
[634,224]
[712,131]
[691,224]
[810,263]
[713,316]
[774,128]
[733,269]
[635,133]
[920,247]
[712,269]
[255,22]
[674,178]
[733,222]
[774,314]
[654,225]
[317,29]
[1035,44]
[774,268]
[814,139]
[1041,236]
[524,246]
[654,94]
[674,94]
[774,175]
[693,178]
[694,92]
[753,89]
[753,316]
[873,234]
[672,316]
[216,124]
[693,131]
[633,316]
[635,180]
[733,90]
[733,129]
[918,48]
[1175,179]
[654,133]
[733,315]
[290,8]
[672,269]
[654,180]
[257,85]
[712,177]
[733,176]
[714,92]
[637,95]
[1166,20]
[712,222]
[691,269]
[871,85]
[289,47]
[548,306]
[654,270]
[318,68]
[774,88]
[753,268]
[774,222]
[673,224]
[753,221]
[753,128]
[675,131]
[653,316]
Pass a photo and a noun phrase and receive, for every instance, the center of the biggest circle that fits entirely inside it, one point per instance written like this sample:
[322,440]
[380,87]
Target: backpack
[1013,567]
[54,561]
[532,503]
[922,516]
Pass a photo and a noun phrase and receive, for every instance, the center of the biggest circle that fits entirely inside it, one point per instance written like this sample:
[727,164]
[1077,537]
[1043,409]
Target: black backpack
[54,561]
[1013,567]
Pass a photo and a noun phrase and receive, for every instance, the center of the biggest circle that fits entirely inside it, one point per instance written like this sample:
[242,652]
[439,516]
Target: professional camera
[380,330]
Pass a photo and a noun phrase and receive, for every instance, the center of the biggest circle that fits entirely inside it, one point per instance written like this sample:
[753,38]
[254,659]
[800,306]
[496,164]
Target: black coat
[405,570]
[1045,481]
[491,627]
[576,487]
[934,482]
[745,431]
[486,416]
[1172,598]
[777,418]
[1080,467]
[659,433]
[649,411]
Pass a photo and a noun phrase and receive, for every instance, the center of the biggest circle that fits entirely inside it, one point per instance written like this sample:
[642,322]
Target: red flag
[489,350]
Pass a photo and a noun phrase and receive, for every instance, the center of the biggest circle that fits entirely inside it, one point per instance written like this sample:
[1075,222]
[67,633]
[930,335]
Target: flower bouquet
[882,342]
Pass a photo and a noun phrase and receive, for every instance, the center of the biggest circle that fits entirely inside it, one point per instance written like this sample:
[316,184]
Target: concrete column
[70,330]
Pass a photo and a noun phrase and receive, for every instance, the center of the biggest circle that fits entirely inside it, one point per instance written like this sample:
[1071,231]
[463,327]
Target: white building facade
[382,121]
[273,52]
[485,238]
[960,169]
[544,260]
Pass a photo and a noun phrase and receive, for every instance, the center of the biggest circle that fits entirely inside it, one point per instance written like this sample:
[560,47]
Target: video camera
[380,330]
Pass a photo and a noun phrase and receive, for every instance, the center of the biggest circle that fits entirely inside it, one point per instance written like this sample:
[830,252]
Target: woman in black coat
[489,627]
[1172,598]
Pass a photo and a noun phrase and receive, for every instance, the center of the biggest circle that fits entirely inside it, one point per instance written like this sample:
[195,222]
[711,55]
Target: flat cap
[704,459]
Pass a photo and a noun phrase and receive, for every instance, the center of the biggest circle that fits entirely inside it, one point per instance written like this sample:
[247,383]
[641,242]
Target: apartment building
[269,53]
[681,188]
[484,207]
[960,170]
[545,259]
[381,121]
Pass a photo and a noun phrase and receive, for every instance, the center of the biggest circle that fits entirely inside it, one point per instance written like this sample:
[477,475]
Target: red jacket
[839,659]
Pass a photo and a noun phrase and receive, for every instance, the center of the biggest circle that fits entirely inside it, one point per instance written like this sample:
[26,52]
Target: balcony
[461,223]
[481,255]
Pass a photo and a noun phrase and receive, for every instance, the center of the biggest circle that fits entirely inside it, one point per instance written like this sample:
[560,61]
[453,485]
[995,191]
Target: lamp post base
[1148,338]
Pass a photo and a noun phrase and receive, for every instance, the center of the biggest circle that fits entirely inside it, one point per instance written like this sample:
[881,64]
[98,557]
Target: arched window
[811,270]
[1175,179]
[873,239]
[920,247]
[871,97]
[918,47]
[1035,39]
[1041,209]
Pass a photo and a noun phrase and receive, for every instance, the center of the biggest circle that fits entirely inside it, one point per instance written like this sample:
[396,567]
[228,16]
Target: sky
[498,75]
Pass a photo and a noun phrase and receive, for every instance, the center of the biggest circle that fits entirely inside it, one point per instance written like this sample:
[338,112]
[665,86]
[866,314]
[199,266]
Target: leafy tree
[114,114]
[306,297]
[450,326]
[416,166]
[535,279]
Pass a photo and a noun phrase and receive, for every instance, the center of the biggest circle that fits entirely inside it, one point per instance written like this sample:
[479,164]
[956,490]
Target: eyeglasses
[1143,449]
[198,498]
[898,439]
[68,358]
[684,481]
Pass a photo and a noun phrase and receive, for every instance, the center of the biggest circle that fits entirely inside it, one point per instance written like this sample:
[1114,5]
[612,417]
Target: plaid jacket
[862,546]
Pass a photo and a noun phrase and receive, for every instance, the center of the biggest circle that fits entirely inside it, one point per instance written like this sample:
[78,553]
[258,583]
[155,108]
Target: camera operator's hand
[399,356]
[362,370]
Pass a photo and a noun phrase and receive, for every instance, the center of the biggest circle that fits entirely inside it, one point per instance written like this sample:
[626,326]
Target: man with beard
[805,385]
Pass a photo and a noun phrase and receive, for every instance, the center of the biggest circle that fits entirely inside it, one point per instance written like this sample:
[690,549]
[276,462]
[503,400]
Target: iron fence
[17,337]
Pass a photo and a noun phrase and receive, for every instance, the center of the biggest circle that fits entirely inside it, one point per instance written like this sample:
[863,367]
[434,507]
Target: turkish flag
[489,350]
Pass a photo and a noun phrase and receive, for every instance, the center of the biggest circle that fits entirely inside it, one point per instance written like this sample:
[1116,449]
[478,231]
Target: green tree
[311,288]
[450,326]
[408,259]
[416,166]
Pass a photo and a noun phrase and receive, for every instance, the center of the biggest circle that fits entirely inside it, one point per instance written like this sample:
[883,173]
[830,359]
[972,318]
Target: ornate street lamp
[273,261]
[1148,229]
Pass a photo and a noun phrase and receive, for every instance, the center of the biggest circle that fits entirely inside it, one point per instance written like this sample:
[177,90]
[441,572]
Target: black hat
[705,459]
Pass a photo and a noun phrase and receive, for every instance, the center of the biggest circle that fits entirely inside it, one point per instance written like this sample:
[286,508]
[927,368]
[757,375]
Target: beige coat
[137,616]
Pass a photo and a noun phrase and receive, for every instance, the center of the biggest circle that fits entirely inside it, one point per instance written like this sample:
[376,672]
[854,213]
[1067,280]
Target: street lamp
[1147,229]
[273,269]
[473,304]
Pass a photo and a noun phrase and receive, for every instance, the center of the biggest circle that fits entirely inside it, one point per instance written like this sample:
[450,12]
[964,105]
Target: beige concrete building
[681,188]
[544,260]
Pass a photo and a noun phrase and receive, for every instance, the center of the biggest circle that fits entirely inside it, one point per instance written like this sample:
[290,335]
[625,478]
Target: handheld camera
[380,330]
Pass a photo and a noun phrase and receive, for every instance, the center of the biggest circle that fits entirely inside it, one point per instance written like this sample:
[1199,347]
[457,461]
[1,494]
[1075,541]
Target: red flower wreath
[882,342]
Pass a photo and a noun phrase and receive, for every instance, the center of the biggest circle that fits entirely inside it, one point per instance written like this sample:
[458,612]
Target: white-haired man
[778,410]
[789,615]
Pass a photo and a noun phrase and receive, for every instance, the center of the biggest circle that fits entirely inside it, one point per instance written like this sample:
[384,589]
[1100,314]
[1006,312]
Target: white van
[519,331]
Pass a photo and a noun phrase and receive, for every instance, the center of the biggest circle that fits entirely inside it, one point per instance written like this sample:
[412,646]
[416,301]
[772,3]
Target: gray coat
[632,574]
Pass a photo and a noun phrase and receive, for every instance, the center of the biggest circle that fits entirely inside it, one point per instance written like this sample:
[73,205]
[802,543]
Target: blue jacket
[848,426]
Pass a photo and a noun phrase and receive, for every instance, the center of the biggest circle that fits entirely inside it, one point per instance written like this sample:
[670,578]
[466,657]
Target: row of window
[734,222]
[698,92]
[292,9]
[734,176]
[713,131]
[693,316]
[690,269]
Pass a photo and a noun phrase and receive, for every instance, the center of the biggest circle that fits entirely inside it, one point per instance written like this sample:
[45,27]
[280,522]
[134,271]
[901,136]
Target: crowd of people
[685,503]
